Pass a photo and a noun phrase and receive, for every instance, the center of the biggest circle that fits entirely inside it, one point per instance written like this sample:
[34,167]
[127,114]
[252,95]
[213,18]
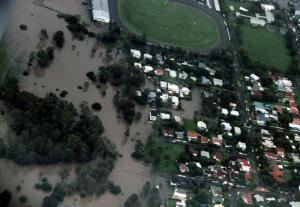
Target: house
[224,111]
[234,113]
[148,69]
[173,88]
[164,97]
[185,91]
[216,190]
[226,126]
[218,156]
[183,168]
[247,198]
[153,115]
[151,97]
[244,165]
[255,22]
[175,102]
[163,85]
[179,135]
[205,81]
[254,77]
[297,8]
[280,151]
[135,53]
[192,135]
[258,198]
[217,140]
[182,75]
[241,145]
[204,140]
[159,72]
[205,154]
[179,194]
[165,116]
[138,65]
[172,73]
[237,130]
[147,56]
[277,172]
[168,133]
[271,155]
[217,82]
[201,126]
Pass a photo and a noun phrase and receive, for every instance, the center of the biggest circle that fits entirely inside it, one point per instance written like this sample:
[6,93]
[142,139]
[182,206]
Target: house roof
[247,197]
[192,134]
[244,162]
[271,155]
[296,121]
[247,176]
[204,139]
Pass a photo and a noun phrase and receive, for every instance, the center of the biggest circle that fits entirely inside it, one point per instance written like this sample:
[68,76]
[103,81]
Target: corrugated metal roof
[100,10]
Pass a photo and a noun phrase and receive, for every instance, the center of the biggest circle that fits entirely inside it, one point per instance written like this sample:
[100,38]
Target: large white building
[100,11]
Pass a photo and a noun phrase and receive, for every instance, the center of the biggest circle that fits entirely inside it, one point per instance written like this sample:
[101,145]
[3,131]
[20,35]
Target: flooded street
[66,73]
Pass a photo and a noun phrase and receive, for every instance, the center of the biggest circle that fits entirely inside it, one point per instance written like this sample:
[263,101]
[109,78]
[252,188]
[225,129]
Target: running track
[221,44]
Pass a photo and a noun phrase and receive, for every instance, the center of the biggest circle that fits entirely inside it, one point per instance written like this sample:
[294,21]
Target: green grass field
[266,47]
[163,155]
[169,22]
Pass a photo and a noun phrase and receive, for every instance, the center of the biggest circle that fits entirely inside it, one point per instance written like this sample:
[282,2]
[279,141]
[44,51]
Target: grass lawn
[189,124]
[163,155]
[266,47]
[169,22]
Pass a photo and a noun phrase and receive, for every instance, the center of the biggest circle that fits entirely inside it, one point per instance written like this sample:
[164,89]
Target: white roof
[254,77]
[234,113]
[100,11]
[135,53]
[147,56]
[226,126]
[165,116]
[204,154]
[185,90]
[172,73]
[217,82]
[267,7]
[224,111]
[175,100]
[201,125]
[256,21]
[148,69]
[138,65]
[173,88]
[237,130]
[163,84]
[164,97]
[242,145]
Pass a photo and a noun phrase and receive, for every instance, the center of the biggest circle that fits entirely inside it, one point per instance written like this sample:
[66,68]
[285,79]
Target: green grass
[163,155]
[265,47]
[169,22]
[189,124]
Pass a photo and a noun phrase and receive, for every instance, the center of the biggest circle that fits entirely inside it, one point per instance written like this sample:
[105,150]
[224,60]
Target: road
[221,44]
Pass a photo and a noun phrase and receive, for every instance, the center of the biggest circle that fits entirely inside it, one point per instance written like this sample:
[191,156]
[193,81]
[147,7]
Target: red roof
[296,121]
[159,71]
[217,141]
[204,140]
[294,110]
[279,109]
[247,197]
[219,156]
[280,150]
[193,134]
[248,176]
[271,155]
[244,162]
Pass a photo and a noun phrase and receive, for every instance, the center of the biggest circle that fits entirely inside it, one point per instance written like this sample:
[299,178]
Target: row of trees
[50,130]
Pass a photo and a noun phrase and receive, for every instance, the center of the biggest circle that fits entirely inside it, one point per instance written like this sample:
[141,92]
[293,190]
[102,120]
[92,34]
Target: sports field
[266,47]
[168,22]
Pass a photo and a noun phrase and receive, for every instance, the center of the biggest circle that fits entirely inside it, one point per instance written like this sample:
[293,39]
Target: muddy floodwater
[67,73]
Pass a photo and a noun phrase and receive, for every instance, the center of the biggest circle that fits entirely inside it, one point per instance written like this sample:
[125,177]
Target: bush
[50,52]
[46,187]
[91,76]
[23,27]
[114,189]
[96,106]
[23,199]
[59,39]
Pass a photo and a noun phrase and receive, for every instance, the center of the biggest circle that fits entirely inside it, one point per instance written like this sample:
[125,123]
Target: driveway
[5,8]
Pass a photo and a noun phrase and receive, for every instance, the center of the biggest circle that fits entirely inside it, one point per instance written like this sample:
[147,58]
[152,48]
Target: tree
[132,201]
[5,198]
[43,35]
[42,58]
[23,199]
[59,39]
[50,52]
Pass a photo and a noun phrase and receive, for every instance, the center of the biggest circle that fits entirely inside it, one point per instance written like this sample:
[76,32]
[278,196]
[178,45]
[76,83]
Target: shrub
[23,27]
[23,199]
[59,39]
[96,106]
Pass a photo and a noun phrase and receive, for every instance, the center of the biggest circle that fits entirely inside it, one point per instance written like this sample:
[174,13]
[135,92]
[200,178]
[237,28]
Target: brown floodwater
[67,73]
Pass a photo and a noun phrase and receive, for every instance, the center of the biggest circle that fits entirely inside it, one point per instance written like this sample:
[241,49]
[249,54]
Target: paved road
[222,43]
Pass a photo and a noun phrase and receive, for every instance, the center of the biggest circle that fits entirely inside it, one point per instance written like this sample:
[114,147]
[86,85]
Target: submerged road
[223,42]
